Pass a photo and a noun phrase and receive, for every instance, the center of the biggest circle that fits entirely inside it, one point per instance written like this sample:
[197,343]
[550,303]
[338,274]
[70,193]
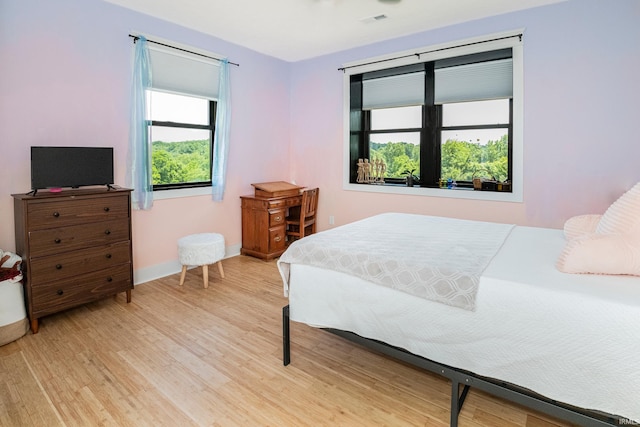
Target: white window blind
[394,91]
[184,73]
[474,82]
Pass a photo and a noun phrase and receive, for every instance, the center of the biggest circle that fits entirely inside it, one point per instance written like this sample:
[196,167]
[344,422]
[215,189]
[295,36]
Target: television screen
[57,167]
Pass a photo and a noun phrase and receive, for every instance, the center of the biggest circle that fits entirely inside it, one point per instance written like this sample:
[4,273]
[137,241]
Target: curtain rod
[431,51]
[135,38]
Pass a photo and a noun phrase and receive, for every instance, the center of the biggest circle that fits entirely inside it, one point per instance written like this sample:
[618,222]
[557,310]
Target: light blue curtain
[221,137]
[139,156]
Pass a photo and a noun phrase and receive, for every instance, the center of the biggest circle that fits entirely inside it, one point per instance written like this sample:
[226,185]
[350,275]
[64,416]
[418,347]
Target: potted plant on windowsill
[411,178]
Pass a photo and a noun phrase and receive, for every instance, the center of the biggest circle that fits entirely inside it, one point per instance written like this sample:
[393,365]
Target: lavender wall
[65,80]
[581,109]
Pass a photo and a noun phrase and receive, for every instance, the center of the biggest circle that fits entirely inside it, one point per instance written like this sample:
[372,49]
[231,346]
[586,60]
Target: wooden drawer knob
[109,279]
[57,241]
[106,209]
[58,266]
[56,214]
[60,292]
[107,232]
[278,238]
[108,256]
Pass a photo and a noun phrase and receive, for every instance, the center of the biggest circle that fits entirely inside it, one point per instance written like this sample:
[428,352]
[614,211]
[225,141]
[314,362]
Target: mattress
[571,338]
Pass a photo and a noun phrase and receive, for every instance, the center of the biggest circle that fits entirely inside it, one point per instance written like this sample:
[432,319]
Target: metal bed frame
[467,380]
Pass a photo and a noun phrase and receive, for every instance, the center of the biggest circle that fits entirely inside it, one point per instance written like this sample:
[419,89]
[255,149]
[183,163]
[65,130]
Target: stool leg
[184,272]
[205,275]
[220,269]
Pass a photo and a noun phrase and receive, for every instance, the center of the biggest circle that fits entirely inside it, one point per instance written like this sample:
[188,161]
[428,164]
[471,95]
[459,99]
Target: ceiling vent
[375,18]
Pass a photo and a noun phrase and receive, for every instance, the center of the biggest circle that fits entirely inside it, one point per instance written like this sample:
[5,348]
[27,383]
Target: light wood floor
[179,356]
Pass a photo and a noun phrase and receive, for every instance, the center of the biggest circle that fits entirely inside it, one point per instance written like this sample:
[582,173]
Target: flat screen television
[58,167]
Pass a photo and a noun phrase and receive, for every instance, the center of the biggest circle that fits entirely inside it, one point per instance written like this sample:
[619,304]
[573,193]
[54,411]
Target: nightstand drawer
[55,267]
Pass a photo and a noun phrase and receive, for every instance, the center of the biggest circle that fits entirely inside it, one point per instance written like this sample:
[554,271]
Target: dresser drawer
[56,296]
[277,239]
[69,264]
[63,239]
[60,213]
[284,203]
[276,217]
[256,204]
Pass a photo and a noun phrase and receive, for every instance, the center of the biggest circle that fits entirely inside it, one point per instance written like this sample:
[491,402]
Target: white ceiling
[294,30]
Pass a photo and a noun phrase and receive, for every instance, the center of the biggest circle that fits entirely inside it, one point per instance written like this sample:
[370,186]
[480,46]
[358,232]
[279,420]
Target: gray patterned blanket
[436,258]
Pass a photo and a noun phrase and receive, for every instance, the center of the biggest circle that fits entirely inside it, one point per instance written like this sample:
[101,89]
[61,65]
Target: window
[181,134]
[395,138]
[181,115]
[475,140]
[449,118]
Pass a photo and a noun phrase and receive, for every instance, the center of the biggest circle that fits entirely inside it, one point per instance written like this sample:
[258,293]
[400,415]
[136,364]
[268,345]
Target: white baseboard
[147,274]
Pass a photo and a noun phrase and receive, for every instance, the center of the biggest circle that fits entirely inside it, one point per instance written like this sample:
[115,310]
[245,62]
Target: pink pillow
[602,254]
[580,225]
[623,216]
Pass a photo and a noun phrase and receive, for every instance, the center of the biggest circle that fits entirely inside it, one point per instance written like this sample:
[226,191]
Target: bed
[564,344]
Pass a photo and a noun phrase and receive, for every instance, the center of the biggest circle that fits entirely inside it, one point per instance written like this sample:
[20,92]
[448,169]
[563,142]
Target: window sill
[181,192]
[457,193]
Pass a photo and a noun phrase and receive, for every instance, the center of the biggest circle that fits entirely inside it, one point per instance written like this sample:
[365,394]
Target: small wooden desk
[263,218]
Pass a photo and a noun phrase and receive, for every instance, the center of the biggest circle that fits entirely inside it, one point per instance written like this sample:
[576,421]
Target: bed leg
[286,343]
[455,403]
[457,400]
[463,395]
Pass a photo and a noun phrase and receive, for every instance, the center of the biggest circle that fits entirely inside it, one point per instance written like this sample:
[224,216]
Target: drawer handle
[278,218]
[56,214]
[108,256]
[107,232]
[106,209]
[58,266]
[109,279]
[57,241]
[59,292]
[278,238]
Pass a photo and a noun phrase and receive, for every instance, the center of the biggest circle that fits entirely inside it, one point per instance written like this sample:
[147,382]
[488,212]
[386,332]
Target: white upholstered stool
[201,249]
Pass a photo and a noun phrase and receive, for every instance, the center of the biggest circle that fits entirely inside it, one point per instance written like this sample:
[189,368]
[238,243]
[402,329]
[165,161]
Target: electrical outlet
[332,220]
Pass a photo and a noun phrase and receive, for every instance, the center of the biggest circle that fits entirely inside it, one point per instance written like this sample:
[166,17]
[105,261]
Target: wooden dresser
[75,246]
[263,218]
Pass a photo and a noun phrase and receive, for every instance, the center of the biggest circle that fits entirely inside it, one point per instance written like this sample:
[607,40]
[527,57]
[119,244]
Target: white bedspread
[439,259]
[572,338]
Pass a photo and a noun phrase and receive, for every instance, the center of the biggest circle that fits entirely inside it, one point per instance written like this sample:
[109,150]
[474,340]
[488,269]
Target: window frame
[432,53]
[169,124]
